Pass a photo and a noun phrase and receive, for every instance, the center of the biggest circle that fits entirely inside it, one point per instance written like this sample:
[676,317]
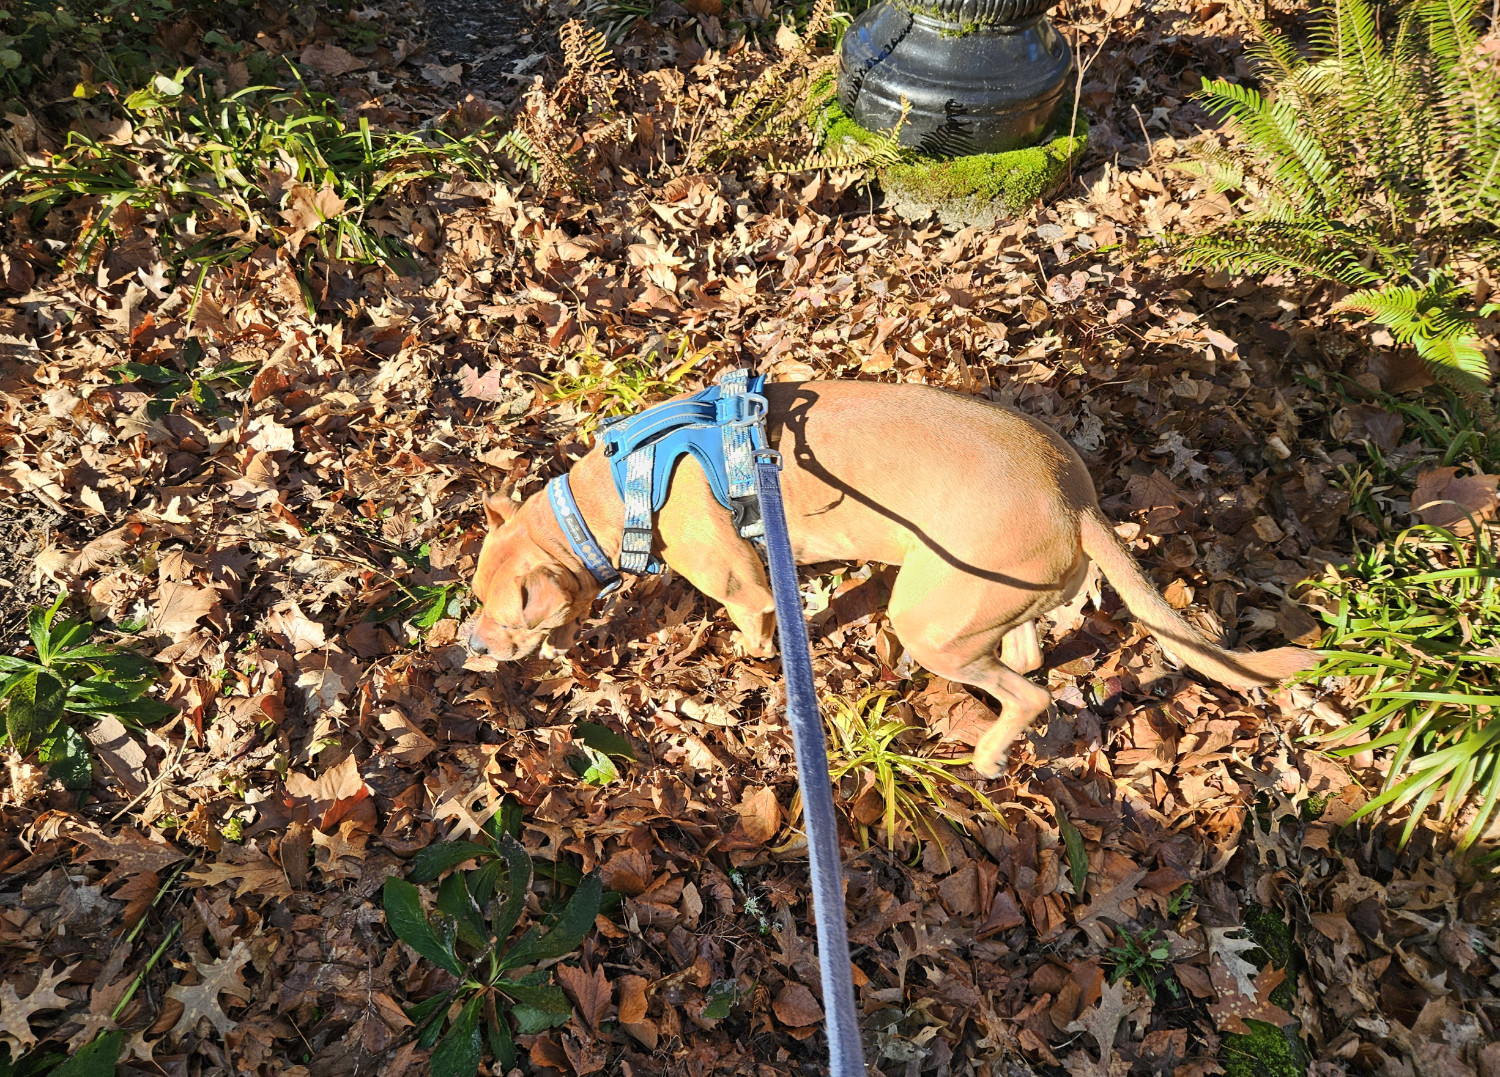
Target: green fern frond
[1321,249]
[1300,168]
[1434,318]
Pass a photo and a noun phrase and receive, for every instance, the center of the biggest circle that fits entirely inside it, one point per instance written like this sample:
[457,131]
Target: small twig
[1150,146]
[166,772]
[1078,92]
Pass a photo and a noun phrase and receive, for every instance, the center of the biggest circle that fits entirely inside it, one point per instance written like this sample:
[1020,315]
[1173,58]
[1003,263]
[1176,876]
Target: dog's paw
[746,647]
[992,768]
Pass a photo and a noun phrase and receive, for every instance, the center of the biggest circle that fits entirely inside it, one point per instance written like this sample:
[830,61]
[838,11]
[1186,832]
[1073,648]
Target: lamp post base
[975,82]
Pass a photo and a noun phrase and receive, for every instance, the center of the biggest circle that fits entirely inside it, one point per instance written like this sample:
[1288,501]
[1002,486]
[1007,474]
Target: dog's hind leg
[1020,649]
[955,624]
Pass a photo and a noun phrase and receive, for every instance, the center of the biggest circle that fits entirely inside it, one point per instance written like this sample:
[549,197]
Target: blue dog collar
[580,538]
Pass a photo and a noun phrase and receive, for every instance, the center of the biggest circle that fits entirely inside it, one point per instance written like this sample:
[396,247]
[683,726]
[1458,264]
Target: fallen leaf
[330,60]
[200,1001]
[760,815]
[796,1007]
[16,1012]
[1443,499]
[633,1002]
[590,992]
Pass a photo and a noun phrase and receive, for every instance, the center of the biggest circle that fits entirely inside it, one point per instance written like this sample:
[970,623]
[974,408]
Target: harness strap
[636,541]
[580,539]
[739,429]
[845,1054]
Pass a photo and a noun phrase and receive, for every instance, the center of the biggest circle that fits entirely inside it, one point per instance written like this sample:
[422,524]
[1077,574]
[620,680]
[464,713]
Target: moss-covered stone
[1266,1052]
[977,189]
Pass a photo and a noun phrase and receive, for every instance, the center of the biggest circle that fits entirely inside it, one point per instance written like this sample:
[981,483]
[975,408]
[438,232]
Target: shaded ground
[498,43]
[321,744]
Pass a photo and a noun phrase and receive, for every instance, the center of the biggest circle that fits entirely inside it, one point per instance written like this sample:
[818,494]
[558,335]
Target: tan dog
[991,516]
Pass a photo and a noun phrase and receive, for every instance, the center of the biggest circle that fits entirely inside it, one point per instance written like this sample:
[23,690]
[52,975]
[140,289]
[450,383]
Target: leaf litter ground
[317,750]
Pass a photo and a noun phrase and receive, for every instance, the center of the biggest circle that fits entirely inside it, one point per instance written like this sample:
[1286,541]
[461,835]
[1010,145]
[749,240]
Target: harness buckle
[627,545]
[758,410]
[768,456]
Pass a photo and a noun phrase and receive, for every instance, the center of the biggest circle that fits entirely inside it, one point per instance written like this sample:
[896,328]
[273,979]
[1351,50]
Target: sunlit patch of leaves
[241,160]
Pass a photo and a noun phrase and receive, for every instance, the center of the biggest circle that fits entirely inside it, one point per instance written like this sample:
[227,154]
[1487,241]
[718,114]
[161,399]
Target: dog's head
[526,594]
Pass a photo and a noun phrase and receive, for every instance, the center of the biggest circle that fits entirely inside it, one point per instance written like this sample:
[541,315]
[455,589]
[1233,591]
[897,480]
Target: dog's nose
[476,645]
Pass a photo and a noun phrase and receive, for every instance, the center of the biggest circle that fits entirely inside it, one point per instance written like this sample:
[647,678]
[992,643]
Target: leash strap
[585,547]
[845,1055]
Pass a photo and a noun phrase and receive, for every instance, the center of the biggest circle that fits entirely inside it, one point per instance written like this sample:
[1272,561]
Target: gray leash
[845,1055]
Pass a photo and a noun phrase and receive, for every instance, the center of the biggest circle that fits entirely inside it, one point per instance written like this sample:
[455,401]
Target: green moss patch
[976,189]
[1266,1052]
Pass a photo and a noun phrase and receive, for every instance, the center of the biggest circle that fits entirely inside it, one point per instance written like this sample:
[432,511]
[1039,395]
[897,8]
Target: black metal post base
[982,76]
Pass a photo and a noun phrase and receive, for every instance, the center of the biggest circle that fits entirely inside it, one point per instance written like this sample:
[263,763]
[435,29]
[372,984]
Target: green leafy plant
[894,782]
[1140,959]
[424,604]
[1414,631]
[195,383]
[1374,162]
[240,162]
[609,387]
[71,681]
[498,979]
[97,1058]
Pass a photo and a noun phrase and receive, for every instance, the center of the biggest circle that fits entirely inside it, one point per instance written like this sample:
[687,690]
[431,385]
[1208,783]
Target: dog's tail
[1231,668]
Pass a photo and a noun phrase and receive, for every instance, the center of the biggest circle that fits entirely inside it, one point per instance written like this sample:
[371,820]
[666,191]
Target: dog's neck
[594,492]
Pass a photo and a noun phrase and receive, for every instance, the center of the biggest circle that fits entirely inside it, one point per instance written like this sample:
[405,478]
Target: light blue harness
[721,427]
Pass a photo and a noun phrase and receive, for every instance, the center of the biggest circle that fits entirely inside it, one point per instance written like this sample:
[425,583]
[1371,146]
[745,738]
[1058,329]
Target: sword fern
[1372,161]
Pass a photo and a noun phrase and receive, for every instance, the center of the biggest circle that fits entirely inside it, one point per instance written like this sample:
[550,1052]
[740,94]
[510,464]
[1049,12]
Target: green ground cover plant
[896,785]
[469,936]
[228,173]
[1414,624]
[68,683]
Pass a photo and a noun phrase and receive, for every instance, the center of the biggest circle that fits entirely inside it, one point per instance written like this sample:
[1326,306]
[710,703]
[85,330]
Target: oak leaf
[132,852]
[201,1000]
[1233,1008]
[16,1012]
[590,992]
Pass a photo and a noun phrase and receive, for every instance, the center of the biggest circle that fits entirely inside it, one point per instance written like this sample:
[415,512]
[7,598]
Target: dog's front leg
[698,540]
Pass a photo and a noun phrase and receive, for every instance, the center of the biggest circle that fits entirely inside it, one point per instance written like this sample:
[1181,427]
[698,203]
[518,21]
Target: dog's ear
[498,507]
[546,598]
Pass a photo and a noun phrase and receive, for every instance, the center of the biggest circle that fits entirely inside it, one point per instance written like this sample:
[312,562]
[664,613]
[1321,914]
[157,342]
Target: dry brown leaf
[131,851]
[16,1012]
[633,1002]
[796,1007]
[760,815]
[1443,499]
[590,992]
[180,606]
[330,60]
[1233,1008]
[200,1001]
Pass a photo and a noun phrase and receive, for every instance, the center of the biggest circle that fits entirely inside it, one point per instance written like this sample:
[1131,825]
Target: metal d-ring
[760,410]
[768,456]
